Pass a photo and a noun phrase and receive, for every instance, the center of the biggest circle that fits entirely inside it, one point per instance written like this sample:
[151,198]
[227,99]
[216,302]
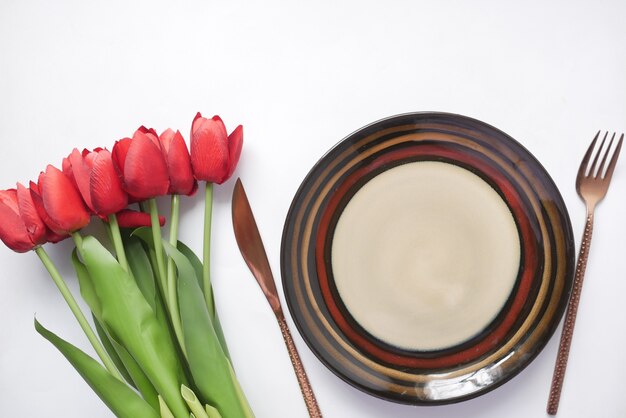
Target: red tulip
[133,219]
[58,202]
[30,214]
[178,162]
[97,181]
[21,228]
[140,163]
[51,236]
[214,154]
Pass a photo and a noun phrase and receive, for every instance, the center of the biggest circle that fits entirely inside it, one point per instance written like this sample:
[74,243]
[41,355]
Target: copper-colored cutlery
[592,183]
[253,252]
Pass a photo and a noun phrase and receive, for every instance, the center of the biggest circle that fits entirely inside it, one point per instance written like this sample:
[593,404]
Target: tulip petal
[120,151]
[52,225]
[209,149]
[128,218]
[178,163]
[66,167]
[8,199]
[81,174]
[235,144]
[51,236]
[62,201]
[12,230]
[105,186]
[148,132]
[35,226]
[145,170]
[194,188]
[166,139]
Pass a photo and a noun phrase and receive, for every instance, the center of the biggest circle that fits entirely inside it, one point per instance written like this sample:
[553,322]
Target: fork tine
[583,164]
[611,168]
[606,155]
[592,169]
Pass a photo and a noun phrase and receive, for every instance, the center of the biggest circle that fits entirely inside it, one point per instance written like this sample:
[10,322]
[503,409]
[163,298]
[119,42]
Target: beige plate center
[425,255]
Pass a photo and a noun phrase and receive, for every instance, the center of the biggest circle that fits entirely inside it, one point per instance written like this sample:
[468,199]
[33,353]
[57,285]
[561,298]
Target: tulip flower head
[96,179]
[58,202]
[214,154]
[21,228]
[178,163]
[140,164]
[132,219]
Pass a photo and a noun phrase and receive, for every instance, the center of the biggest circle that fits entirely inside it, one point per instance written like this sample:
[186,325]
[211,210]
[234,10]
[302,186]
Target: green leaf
[130,321]
[110,349]
[120,398]
[142,271]
[194,260]
[209,365]
[197,266]
[124,362]
[144,233]
[220,335]
[89,296]
[87,290]
[141,381]
[240,394]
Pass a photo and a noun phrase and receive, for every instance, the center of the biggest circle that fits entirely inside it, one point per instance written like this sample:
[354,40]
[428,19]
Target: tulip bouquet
[155,326]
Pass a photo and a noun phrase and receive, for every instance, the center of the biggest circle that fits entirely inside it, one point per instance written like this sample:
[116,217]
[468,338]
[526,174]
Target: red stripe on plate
[529,251]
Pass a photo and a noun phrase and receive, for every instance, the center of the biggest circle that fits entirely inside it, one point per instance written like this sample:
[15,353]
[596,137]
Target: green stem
[174,219]
[206,250]
[192,402]
[71,302]
[171,274]
[78,240]
[173,240]
[117,242]
[158,246]
[165,411]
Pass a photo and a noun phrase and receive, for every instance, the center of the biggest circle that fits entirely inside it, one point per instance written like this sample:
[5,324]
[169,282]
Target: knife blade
[251,246]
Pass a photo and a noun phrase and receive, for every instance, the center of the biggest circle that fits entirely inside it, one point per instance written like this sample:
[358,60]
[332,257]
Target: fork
[592,184]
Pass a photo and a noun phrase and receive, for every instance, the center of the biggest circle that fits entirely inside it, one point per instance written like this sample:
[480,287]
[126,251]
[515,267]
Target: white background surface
[300,77]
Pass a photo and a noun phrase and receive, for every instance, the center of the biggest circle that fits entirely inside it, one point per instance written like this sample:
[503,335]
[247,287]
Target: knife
[253,252]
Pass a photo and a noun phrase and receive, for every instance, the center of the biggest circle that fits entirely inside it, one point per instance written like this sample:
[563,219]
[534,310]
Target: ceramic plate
[427,258]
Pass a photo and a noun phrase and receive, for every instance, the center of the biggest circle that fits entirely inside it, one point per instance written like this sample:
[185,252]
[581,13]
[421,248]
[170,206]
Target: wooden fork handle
[570,319]
[303,380]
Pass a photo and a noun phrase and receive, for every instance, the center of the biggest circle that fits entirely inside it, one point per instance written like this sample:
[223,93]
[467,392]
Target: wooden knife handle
[303,380]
